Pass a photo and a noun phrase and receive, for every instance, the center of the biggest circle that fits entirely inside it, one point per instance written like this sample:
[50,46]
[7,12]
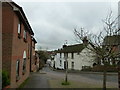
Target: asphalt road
[99,76]
[41,78]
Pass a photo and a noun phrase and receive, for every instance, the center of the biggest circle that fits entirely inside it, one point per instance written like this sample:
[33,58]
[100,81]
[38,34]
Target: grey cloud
[53,23]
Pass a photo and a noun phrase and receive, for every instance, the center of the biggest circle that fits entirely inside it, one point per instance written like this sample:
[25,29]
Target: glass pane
[19,28]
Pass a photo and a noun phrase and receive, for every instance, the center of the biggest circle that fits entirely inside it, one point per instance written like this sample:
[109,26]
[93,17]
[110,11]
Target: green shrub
[86,68]
[5,79]
[65,83]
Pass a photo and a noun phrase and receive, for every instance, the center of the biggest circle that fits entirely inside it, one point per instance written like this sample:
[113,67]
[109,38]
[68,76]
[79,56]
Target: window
[60,55]
[24,62]
[24,65]
[65,55]
[60,62]
[17,69]
[78,53]
[72,55]
[25,35]
[72,65]
[19,28]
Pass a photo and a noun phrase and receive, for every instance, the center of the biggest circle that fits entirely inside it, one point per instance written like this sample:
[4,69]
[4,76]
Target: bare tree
[104,44]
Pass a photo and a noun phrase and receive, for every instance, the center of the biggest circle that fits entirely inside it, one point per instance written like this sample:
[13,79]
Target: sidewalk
[37,80]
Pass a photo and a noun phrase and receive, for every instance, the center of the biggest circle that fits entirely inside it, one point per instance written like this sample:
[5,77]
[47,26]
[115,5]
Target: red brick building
[34,58]
[16,43]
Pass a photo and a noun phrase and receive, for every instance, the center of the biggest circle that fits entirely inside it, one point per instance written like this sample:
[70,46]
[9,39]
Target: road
[41,78]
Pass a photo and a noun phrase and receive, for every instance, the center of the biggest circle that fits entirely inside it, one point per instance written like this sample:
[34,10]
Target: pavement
[46,76]
[37,80]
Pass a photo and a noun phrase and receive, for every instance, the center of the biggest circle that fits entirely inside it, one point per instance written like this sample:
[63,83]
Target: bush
[5,79]
[65,83]
[86,68]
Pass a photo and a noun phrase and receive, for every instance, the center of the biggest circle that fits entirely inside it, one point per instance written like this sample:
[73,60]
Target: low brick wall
[100,68]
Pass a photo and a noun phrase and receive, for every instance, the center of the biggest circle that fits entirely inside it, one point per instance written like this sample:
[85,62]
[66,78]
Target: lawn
[75,84]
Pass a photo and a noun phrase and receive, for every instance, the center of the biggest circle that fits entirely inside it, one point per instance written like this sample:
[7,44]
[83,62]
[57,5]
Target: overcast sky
[53,22]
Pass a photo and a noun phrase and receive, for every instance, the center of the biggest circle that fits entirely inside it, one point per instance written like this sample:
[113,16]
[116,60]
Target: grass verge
[65,83]
[76,84]
[23,84]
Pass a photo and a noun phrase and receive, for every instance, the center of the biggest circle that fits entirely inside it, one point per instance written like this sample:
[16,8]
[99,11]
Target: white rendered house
[77,57]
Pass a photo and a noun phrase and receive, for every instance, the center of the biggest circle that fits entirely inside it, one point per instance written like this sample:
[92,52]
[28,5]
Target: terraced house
[17,40]
[34,64]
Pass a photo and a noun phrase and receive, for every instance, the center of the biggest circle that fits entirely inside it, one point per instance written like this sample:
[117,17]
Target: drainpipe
[31,55]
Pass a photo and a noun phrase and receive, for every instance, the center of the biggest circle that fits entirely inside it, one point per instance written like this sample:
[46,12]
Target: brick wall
[7,27]
[14,47]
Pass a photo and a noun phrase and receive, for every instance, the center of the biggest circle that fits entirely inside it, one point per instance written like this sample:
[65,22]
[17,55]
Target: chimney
[64,46]
[85,40]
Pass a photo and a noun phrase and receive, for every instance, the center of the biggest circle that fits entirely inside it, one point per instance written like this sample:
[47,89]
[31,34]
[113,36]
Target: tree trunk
[66,79]
[104,78]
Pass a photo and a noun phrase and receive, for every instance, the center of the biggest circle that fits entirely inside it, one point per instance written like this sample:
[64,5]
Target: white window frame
[17,70]
[19,28]
[24,62]
[25,34]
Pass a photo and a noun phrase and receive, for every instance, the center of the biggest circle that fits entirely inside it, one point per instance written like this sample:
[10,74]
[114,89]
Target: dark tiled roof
[112,40]
[72,48]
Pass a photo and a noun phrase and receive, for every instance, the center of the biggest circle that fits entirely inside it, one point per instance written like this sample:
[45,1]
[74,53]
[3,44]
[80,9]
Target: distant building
[113,44]
[16,43]
[33,62]
[78,57]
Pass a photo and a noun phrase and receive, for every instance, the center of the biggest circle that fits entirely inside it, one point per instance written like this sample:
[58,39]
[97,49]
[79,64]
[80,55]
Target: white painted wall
[84,58]
[52,63]
[57,61]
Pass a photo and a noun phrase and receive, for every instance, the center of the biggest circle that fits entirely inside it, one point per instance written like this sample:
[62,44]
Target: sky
[53,21]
